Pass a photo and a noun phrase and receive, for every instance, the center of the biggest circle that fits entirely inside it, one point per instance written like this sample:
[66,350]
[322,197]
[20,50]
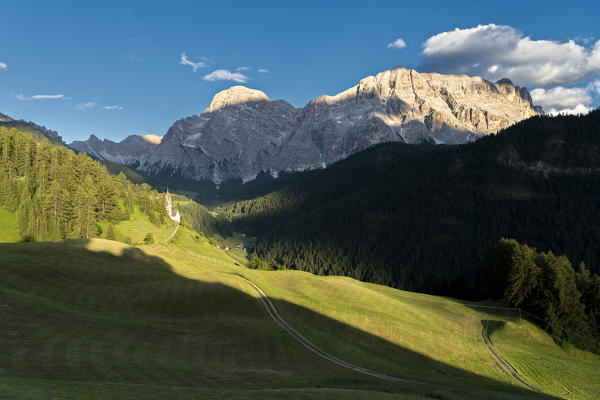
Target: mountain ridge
[243,132]
[37,131]
[127,152]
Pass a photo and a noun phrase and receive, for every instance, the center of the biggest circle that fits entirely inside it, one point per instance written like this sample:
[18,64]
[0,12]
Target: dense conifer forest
[421,217]
[201,219]
[547,288]
[59,194]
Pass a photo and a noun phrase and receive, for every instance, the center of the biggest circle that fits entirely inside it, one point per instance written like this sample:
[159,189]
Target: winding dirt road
[501,360]
[172,234]
[323,354]
[314,348]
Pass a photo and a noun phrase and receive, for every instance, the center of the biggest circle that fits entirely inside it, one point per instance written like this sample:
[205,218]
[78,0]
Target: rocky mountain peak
[128,151]
[236,95]
[243,132]
[153,139]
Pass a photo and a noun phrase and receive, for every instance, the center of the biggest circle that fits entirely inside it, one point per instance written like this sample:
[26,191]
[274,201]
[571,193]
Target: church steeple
[173,214]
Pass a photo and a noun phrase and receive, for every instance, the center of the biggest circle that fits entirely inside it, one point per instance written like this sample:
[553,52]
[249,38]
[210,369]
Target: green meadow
[100,319]
[8,226]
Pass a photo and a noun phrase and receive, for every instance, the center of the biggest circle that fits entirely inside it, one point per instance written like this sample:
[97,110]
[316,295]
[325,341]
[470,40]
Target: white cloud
[594,86]
[243,68]
[3,66]
[113,108]
[195,65]
[497,51]
[397,44]
[578,109]
[85,106]
[561,100]
[263,70]
[225,75]
[40,97]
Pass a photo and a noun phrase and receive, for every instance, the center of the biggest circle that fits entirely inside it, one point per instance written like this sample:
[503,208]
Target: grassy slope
[8,222]
[138,226]
[180,318]
[569,373]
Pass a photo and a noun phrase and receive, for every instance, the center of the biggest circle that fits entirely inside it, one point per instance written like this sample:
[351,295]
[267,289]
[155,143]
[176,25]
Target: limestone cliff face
[243,132]
[240,134]
[129,151]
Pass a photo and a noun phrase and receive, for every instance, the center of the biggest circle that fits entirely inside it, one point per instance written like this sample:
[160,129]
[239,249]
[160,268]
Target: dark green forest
[201,219]
[421,217]
[59,194]
[563,301]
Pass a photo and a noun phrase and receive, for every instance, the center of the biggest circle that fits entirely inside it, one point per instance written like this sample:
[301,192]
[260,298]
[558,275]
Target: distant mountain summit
[243,132]
[128,151]
[37,131]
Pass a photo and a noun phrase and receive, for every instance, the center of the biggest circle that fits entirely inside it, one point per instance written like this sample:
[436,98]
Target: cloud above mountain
[496,51]
[397,44]
[184,60]
[86,106]
[561,100]
[40,97]
[225,75]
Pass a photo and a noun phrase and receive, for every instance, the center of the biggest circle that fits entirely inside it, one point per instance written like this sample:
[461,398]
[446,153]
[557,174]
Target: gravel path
[314,348]
[501,360]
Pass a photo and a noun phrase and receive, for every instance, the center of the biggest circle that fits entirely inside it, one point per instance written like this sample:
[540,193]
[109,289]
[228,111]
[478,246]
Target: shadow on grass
[89,315]
[493,326]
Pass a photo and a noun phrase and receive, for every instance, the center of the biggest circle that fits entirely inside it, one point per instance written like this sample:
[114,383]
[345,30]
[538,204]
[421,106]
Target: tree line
[565,301]
[200,219]
[58,194]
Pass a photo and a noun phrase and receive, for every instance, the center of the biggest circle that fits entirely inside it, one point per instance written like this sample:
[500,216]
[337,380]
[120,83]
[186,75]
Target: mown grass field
[8,226]
[108,321]
[137,227]
[568,373]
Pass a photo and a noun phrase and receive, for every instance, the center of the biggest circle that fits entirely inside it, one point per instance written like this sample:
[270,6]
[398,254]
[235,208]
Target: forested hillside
[547,288]
[36,131]
[421,218]
[59,194]
[201,219]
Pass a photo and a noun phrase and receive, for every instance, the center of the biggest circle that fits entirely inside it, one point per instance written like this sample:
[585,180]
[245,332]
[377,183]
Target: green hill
[58,194]
[38,132]
[103,320]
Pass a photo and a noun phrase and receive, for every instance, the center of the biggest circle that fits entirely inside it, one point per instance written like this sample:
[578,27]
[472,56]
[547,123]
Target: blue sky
[114,68]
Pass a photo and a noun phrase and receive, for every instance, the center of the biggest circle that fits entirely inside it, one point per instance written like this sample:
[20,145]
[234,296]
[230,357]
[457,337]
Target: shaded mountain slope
[421,218]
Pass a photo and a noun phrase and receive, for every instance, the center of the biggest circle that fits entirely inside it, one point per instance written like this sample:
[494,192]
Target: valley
[144,306]
[299,200]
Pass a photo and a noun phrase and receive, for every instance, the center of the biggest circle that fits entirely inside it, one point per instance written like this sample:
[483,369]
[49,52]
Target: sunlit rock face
[243,132]
[128,152]
[240,134]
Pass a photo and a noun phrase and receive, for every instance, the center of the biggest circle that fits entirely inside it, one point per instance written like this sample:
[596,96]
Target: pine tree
[110,233]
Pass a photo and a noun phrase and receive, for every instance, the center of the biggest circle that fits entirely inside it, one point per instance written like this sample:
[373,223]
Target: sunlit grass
[179,316]
[568,373]
[9,231]
[137,227]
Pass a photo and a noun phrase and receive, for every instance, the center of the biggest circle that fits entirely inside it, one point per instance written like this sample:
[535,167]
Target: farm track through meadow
[314,348]
[485,337]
